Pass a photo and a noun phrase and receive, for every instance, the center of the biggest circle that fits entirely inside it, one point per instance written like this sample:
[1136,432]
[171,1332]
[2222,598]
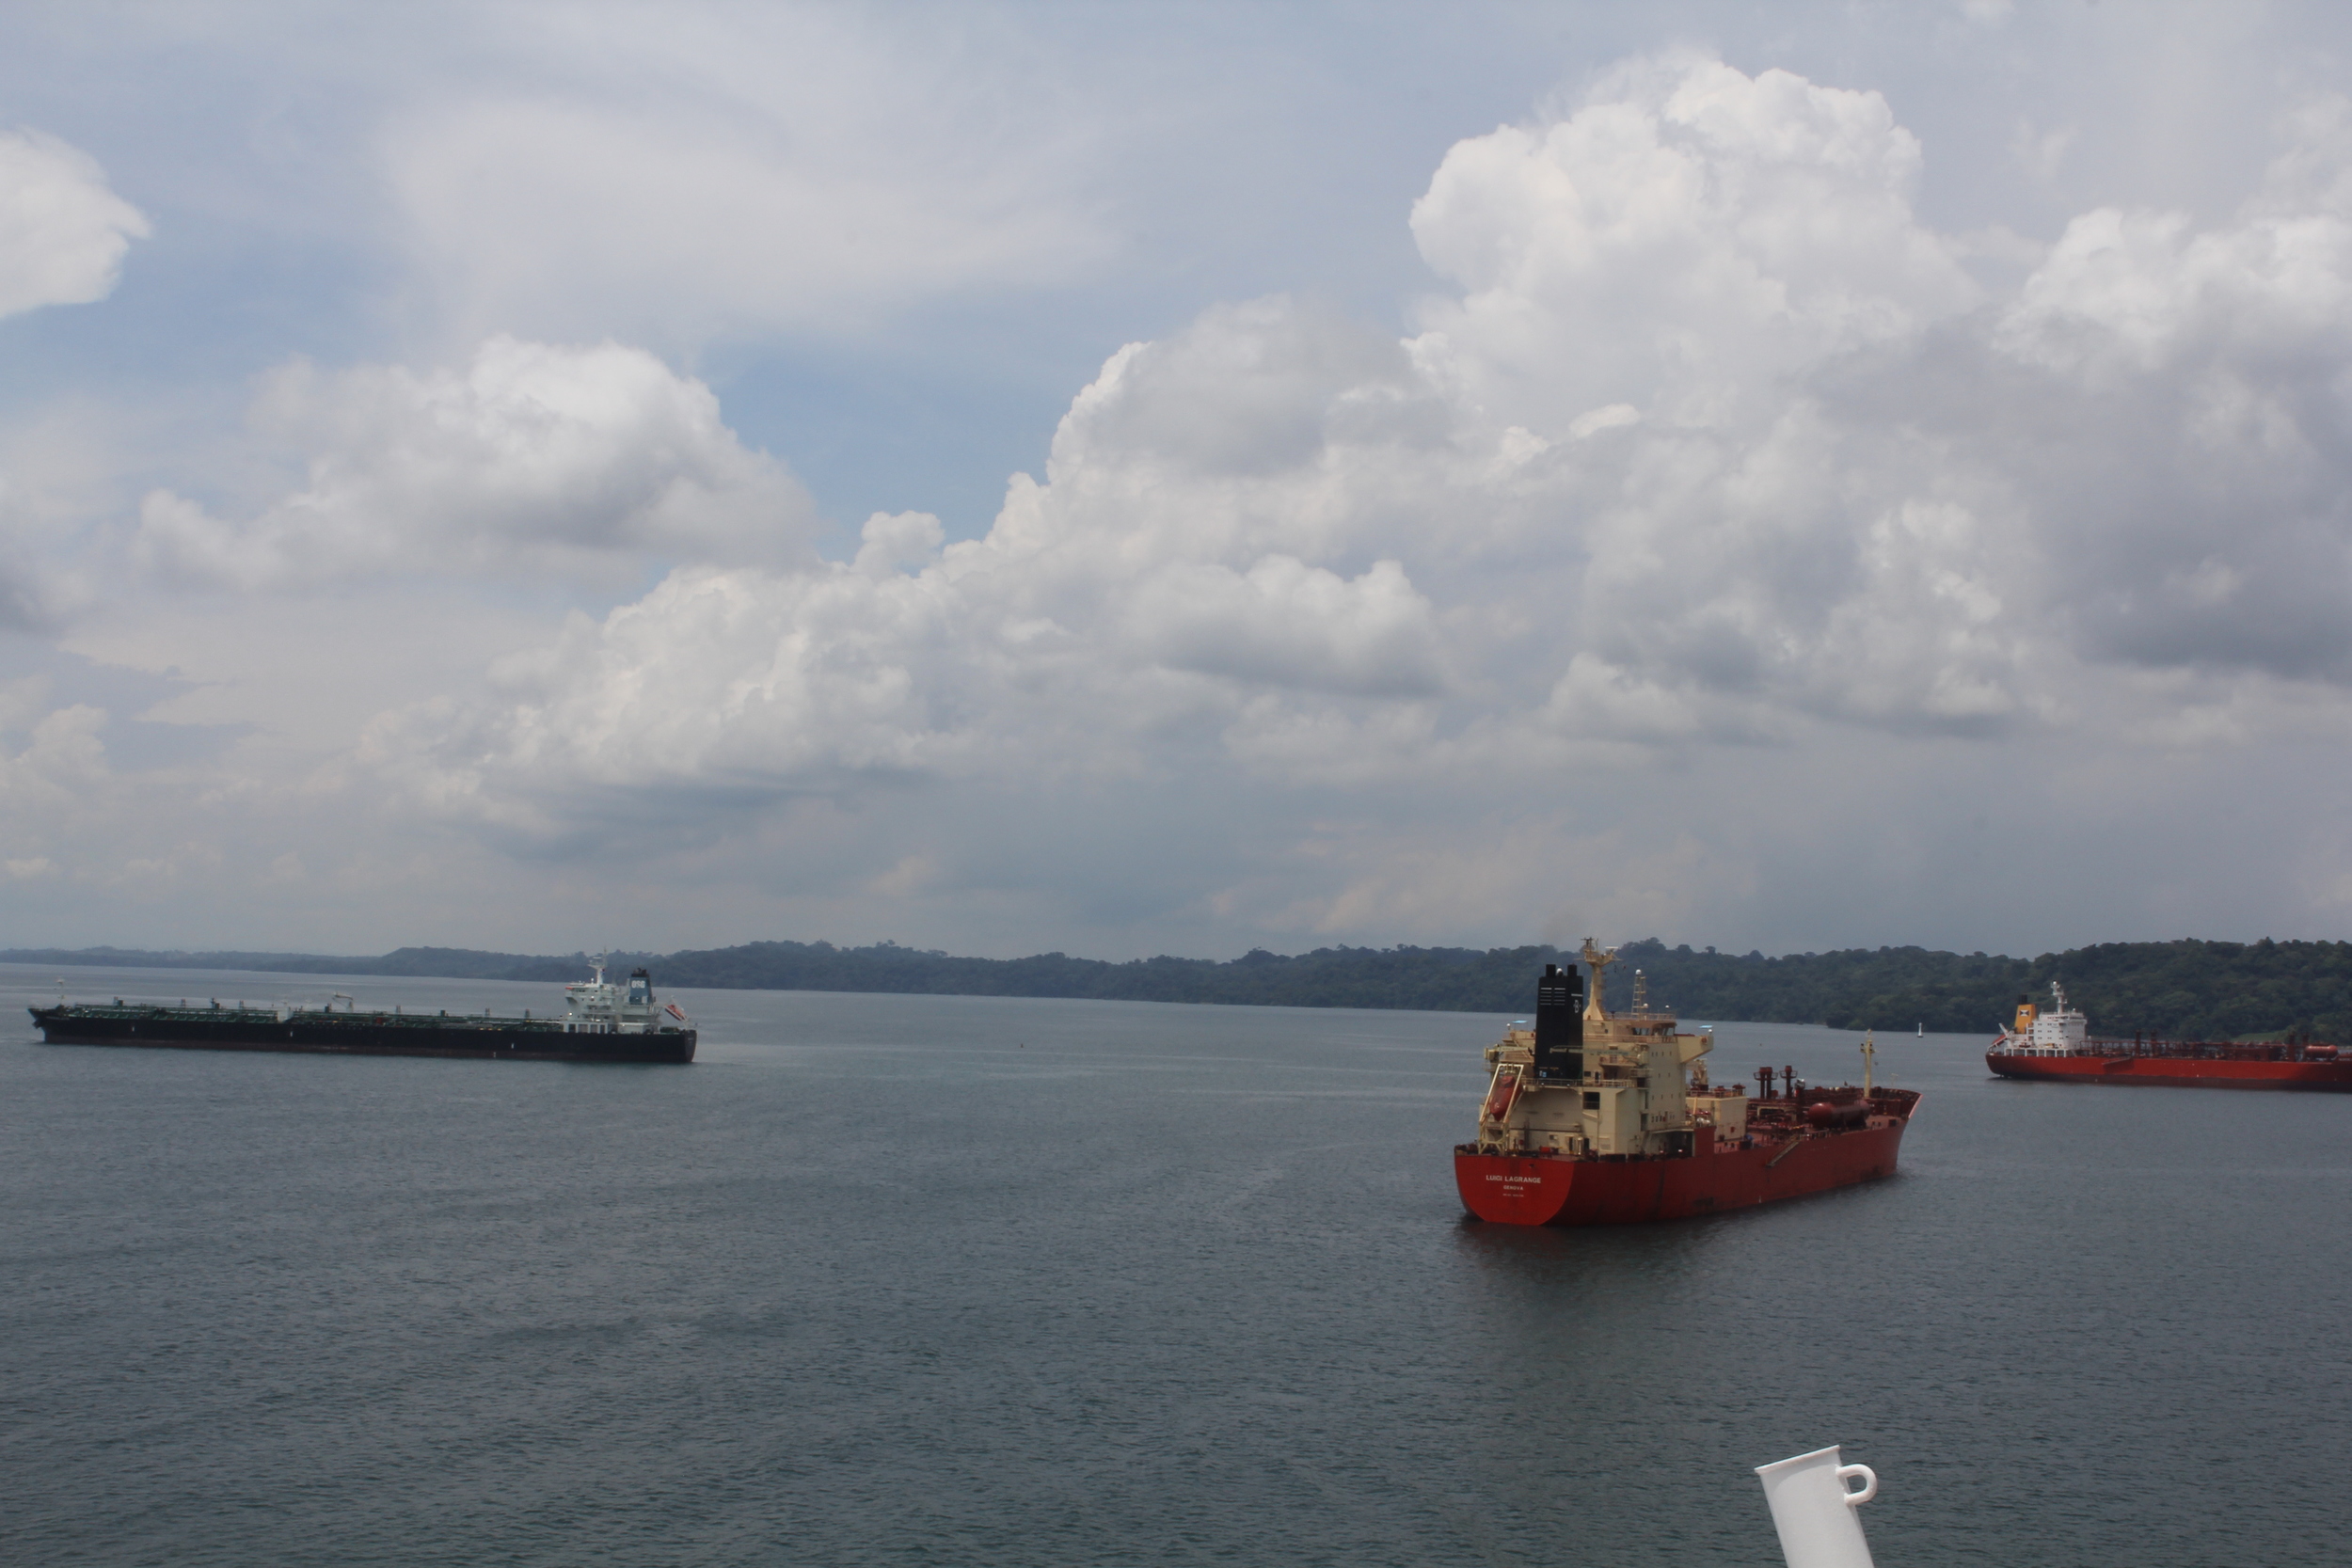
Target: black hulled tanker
[601,1024]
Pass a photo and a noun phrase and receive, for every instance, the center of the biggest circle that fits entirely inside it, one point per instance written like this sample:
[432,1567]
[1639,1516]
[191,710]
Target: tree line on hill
[2187,989]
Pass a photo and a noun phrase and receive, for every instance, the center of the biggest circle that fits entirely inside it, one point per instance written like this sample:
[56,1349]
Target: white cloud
[1285,623]
[2040,153]
[1679,244]
[2136,291]
[1713,481]
[754,171]
[2184,430]
[533,456]
[1277,545]
[753,685]
[2129,291]
[62,759]
[63,231]
[1794,479]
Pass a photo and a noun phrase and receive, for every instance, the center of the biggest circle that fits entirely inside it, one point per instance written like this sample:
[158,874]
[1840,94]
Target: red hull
[1519,1189]
[2176,1072]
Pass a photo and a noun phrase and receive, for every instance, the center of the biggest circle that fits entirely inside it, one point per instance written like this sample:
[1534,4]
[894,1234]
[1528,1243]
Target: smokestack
[1560,1025]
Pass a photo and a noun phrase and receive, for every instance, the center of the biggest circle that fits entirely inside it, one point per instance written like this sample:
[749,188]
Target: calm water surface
[909,1280]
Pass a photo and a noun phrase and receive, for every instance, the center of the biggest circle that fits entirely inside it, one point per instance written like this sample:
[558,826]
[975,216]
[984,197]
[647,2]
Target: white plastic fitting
[1815,1512]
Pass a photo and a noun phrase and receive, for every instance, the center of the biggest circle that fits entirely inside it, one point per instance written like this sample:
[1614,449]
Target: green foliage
[2179,989]
[1443,978]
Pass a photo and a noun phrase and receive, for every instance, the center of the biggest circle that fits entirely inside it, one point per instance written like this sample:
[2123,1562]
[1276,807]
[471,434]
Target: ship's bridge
[1623,1085]
[2058,1030]
[597,1007]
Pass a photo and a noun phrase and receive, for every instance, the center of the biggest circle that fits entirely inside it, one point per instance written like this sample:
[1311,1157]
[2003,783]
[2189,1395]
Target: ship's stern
[1512,1189]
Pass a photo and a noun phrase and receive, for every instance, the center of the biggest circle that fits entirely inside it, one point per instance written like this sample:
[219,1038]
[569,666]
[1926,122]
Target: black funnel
[1560,1025]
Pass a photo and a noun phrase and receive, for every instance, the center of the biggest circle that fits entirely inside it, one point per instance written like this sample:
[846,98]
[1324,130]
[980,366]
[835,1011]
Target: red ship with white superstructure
[1599,1119]
[2055,1044]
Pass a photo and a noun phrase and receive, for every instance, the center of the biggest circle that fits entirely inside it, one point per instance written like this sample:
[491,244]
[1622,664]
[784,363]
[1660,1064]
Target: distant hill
[2182,989]
[452,962]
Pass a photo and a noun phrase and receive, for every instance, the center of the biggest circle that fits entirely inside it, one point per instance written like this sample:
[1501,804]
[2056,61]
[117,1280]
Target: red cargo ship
[2057,1044]
[1599,1119]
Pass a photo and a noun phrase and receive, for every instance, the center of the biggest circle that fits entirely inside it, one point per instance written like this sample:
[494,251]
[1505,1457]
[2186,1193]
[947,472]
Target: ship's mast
[1870,1059]
[1600,958]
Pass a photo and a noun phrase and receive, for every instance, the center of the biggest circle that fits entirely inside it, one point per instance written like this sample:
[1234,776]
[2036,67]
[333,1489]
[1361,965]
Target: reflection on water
[891,1279]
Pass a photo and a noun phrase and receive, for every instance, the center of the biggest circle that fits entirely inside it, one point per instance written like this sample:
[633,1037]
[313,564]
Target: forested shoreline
[2179,990]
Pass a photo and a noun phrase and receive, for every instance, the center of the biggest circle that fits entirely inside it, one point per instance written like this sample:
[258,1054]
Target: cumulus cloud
[2183,430]
[1681,244]
[63,756]
[1593,500]
[63,231]
[913,660]
[55,783]
[1714,448]
[532,455]
[1284,623]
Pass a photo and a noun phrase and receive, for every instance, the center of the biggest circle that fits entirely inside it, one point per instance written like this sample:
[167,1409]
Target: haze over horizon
[1137,479]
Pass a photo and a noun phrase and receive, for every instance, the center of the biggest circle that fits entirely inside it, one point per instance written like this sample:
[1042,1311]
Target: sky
[1131,479]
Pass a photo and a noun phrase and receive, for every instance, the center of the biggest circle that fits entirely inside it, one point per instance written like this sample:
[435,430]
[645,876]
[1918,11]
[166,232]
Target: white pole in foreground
[1815,1513]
